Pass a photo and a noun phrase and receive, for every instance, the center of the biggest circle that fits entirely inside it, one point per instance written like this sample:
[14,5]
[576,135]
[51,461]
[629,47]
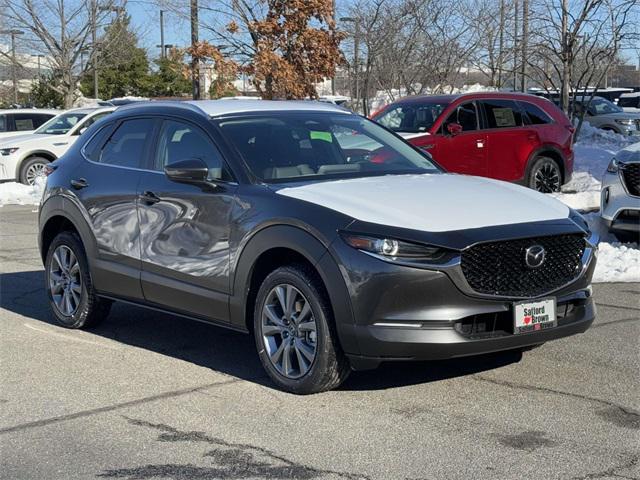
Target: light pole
[356,61]
[162,53]
[39,56]
[333,77]
[95,8]
[165,47]
[14,69]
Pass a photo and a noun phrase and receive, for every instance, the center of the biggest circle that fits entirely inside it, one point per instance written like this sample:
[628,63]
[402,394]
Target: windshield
[61,124]
[411,118]
[601,106]
[289,146]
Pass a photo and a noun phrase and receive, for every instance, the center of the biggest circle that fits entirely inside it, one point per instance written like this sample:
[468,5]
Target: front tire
[545,175]
[32,169]
[294,332]
[71,295]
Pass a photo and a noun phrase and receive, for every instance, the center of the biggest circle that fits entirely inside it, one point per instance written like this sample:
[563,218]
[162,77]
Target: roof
[226,107]
[89,110]
[31,110]
[476,95]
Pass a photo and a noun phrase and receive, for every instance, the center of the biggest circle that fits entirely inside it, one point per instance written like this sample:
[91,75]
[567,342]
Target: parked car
[24,157]
[254,216]
[514,137]
[620,199]
[601,113]
[22,120]
[630,102]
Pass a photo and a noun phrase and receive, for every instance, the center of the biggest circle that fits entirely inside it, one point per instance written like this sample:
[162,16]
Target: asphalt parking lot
[151,396]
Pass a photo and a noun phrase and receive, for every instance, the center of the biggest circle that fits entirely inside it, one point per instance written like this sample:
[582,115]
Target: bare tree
[63,31]
[573,45]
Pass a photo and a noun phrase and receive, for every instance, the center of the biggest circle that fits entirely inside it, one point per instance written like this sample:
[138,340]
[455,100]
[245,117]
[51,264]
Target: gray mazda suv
[333,241]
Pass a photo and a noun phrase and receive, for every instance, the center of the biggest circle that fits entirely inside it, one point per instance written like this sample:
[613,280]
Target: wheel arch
[35,153]
[546,151]
[280,245]
[59,214]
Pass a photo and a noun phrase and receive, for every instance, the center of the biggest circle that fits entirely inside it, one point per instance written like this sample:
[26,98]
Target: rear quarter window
[534,115]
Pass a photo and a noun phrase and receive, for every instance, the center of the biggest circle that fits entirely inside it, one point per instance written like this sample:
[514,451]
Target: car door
[509,142]
[464,150]
[185,227]
[106,185]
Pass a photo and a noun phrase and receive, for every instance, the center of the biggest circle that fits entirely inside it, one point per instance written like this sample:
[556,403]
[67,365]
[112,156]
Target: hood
[630,153]
[431,202]
[21,139]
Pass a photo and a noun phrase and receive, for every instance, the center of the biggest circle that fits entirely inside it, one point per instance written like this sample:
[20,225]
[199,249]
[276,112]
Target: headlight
[578,219]
[398,250]
[621,121]
[8,151]
[613,166]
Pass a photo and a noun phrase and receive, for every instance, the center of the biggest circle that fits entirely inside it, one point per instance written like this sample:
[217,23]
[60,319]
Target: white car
[19,121]
[620,197]
[24,157]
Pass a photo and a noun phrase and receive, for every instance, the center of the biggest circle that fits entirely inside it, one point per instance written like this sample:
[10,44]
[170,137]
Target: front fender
[304,243]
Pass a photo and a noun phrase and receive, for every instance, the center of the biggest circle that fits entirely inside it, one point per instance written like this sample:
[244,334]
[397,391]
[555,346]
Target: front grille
[499,268]
[631,177]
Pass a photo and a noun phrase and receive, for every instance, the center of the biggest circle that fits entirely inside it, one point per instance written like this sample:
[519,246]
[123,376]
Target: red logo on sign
[527,320]
[536,326]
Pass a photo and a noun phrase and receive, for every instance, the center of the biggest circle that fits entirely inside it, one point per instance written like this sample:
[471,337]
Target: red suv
[508,136]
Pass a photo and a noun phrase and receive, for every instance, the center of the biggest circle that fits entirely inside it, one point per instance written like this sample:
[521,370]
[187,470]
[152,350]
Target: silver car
[601,113]
[620,197]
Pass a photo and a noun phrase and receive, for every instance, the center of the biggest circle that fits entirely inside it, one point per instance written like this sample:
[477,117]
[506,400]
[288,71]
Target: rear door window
[24,122]
[127,145]
[502,114]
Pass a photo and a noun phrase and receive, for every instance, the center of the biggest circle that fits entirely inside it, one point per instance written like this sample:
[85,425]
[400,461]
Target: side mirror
[192,170]
[454,129]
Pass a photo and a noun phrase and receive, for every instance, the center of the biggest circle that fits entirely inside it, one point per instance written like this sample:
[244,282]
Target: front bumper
[405,313]
[619,209]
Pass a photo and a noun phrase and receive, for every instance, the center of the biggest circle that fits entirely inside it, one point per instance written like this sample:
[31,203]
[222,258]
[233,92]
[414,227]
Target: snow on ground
[19,194]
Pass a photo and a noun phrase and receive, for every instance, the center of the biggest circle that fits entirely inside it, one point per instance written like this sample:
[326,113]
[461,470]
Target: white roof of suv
[30,110]
[218,107]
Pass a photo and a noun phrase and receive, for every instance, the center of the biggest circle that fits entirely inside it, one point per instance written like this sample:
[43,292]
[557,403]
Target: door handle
[79,183]
[149,198]
[480,143]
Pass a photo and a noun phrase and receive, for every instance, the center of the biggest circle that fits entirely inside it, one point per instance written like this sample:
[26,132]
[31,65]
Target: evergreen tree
[123,67]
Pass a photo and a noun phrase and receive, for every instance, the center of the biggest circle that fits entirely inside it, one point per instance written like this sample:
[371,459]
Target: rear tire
[545,175]
[31,169]
[71,295]
[298,345]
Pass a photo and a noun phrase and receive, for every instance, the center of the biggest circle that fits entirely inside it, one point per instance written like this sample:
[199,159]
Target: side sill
[158,308]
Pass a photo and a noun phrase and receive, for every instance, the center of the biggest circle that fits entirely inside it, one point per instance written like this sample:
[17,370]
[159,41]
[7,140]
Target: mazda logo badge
[534,256]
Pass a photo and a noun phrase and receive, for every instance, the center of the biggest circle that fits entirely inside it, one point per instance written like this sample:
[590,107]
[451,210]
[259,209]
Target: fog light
[606,195]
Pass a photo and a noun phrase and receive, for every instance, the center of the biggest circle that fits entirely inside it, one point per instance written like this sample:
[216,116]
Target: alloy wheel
[65,281]
[34,172]
[547,178]
[289,331]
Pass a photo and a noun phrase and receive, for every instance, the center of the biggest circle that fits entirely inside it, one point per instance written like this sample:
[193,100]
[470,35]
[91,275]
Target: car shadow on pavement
[225,351]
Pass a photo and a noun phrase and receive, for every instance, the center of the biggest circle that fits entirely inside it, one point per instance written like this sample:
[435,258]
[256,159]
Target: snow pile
[593,151]
[19,194]
[617,262]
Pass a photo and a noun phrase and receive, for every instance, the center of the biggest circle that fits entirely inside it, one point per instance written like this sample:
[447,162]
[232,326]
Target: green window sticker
[316,135]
